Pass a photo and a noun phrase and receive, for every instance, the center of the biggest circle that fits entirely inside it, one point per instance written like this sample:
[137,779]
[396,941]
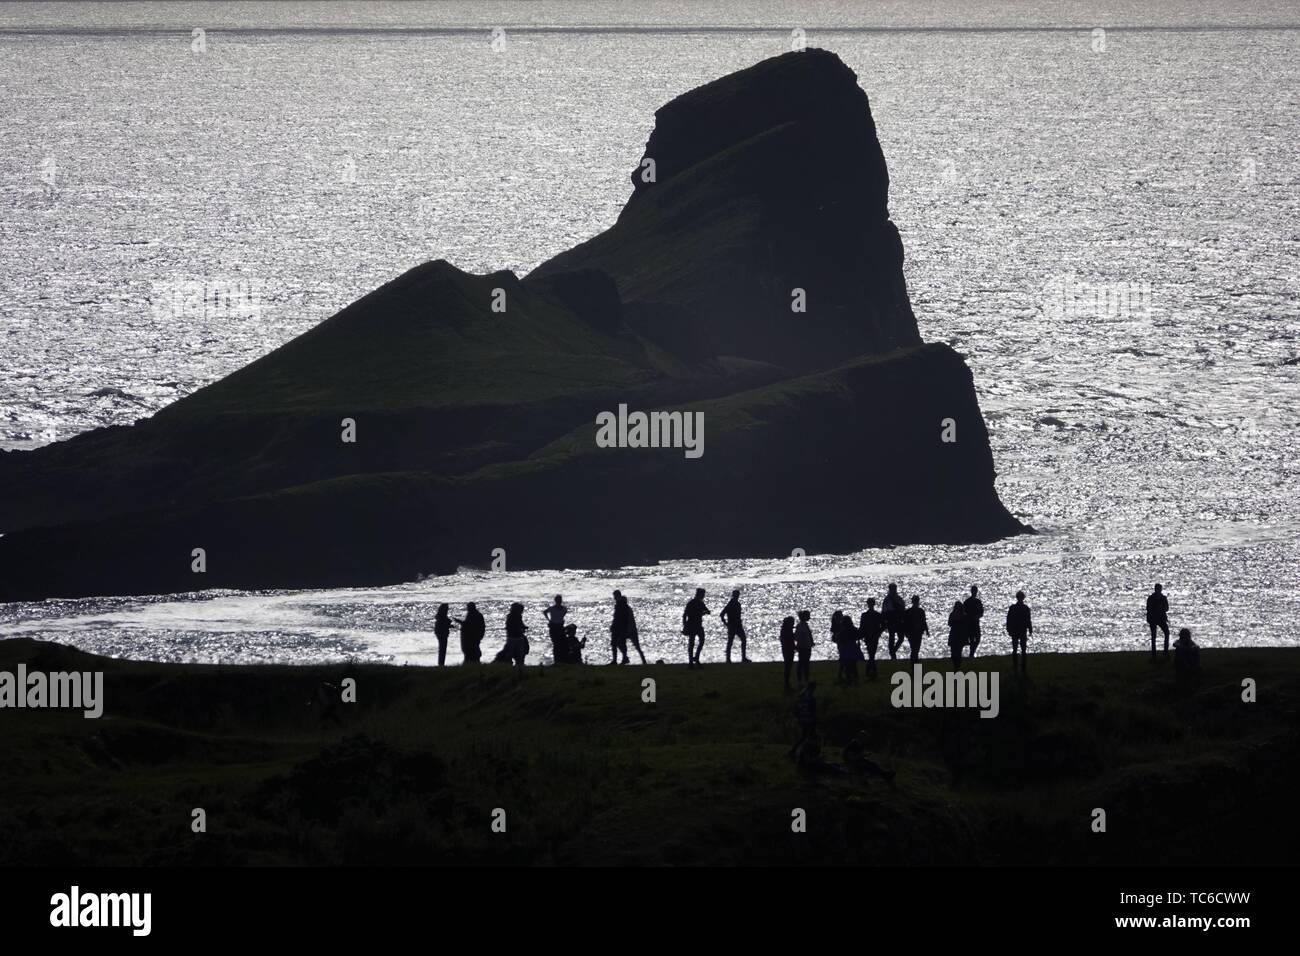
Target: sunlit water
[1149,440]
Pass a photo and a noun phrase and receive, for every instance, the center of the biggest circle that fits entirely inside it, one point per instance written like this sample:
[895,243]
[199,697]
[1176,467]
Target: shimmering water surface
[1104,224]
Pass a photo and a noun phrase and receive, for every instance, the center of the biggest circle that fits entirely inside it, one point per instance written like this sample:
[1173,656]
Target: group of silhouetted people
[1187,654]
[900,622]
[896,620]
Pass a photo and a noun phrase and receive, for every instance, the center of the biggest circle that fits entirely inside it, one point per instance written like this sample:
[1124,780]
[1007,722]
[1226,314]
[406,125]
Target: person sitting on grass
[1187,655]
[572,646]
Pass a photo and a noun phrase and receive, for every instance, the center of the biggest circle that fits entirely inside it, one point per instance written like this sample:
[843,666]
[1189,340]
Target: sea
[1098,201]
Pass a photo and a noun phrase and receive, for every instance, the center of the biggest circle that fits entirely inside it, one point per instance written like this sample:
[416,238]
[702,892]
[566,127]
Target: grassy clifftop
[588,773]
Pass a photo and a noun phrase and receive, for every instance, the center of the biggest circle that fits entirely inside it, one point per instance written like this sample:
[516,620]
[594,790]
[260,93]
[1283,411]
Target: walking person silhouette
[1158,617]
[730,615]
[630,635]
[974,609]
[619,628]
[894,611]
[693,626]
[871,625]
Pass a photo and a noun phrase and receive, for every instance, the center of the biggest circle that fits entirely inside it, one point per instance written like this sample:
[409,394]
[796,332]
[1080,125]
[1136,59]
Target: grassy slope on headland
[588,773]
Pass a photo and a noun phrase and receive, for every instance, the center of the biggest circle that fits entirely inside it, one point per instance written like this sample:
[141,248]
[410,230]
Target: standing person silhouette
[803,643]
[693,626]
[974,609]
[837,636]
[472,629]
[917,626]
[787,646]
[871,625]
[555,628]
[1158,617]
[730,615]
[1019,625]
[958,632]
[442,631]
[894,611]
[619,627]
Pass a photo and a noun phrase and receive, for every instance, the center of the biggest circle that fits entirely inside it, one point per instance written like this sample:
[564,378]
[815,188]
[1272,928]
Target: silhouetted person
[974,609]
[856,759]
[845,636]
[871,625]
[472,629]
[805,713]
[730,616]
[803,645]
[895,612]
[917,626]
[442,631]
[787,646]
[516,648]
[572,646]
[1187,655]
[1158,617]
[693,626]
[836,634]
[958,633]
[555,627]
[619,628]
[632,636]
[1019,625]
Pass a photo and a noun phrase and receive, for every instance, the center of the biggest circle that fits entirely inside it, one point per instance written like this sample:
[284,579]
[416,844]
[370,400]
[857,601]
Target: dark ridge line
[486,31]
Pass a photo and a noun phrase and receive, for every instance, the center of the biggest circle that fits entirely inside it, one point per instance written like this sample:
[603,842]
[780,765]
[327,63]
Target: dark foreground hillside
[586,772]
